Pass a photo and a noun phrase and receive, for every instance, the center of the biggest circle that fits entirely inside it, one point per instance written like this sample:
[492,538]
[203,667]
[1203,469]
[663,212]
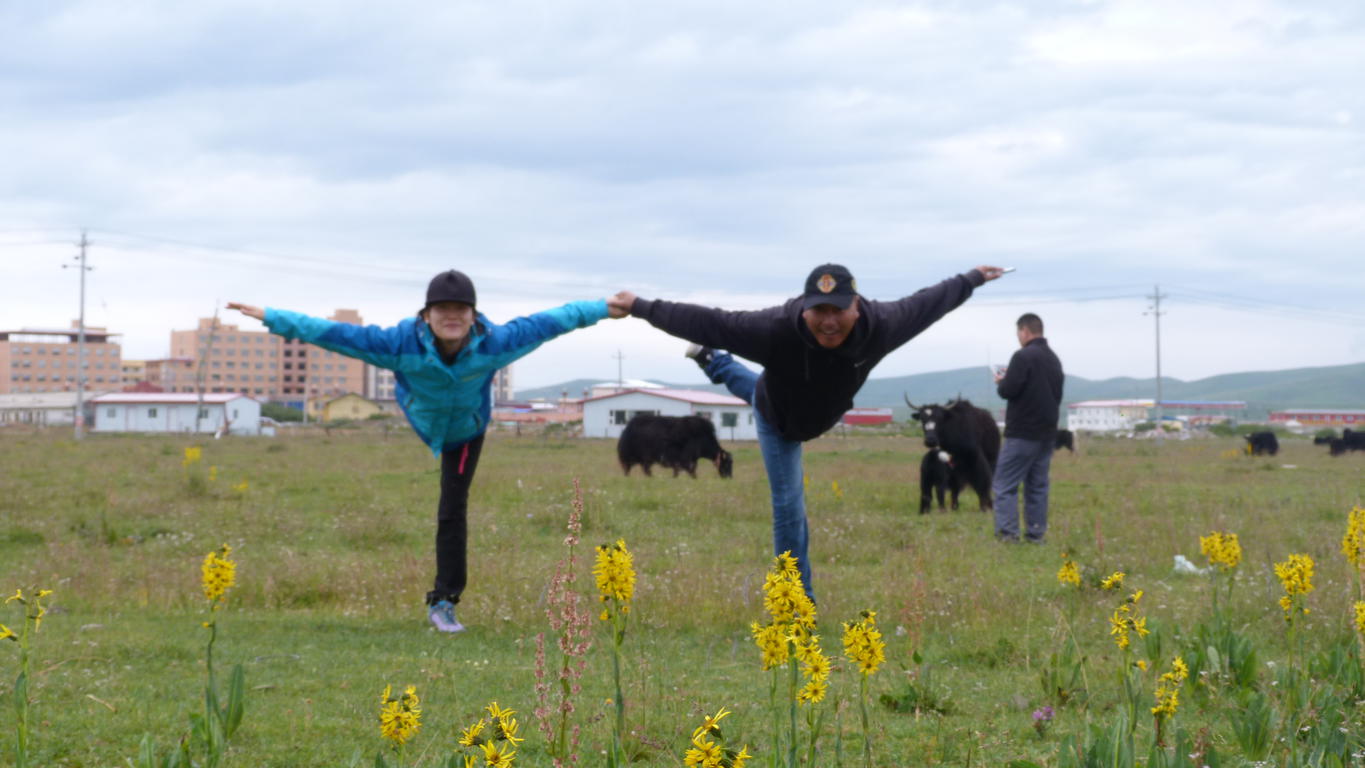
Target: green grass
[333,541]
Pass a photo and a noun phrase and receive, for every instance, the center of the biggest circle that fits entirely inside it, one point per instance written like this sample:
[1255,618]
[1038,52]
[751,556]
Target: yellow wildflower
[1113,582]
[220,574]
[838,493]
[400,718]
[615,572]
[863,644]
[741,757]
[710,724]
[213,473]
[812,692]
[703,753]
[472,736]
[1360,617]
[193,454]
[1353,543]
[771,640]
[1069,573]
[1296,576]
[498,757]
[1168,689]
[1222,549]
[18,595]
[8,634]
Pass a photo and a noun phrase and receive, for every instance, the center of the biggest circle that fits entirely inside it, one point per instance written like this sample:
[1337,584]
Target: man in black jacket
[816,351]
[1032,384]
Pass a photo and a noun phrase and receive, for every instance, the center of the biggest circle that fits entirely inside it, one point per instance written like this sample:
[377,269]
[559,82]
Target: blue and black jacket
[447,404]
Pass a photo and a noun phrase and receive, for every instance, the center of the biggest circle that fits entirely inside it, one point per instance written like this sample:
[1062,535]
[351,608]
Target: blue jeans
[1027,462]
[782,460]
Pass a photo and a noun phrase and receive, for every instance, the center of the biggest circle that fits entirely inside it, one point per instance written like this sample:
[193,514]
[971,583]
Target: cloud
[320,158]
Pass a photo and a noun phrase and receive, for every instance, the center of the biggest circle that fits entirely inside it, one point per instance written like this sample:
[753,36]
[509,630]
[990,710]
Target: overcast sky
[315,156]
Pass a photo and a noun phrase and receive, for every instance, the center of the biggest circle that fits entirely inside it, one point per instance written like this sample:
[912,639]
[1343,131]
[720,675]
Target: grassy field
[332,535]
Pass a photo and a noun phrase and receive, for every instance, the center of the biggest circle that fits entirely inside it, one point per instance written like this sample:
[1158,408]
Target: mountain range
[1338,386]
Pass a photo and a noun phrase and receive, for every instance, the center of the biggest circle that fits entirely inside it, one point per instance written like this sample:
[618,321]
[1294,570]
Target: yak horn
[913,407]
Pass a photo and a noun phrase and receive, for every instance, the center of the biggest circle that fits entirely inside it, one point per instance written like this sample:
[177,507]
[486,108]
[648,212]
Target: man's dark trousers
[1025,461]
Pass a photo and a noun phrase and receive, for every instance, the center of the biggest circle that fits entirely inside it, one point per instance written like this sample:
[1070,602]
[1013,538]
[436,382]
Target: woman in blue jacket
[443,361]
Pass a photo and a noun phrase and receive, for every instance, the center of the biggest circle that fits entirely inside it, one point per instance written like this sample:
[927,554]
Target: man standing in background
[1032,385]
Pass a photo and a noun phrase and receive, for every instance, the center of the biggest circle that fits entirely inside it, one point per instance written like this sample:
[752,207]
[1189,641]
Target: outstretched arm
[746,334]
[913,314]
[375,345]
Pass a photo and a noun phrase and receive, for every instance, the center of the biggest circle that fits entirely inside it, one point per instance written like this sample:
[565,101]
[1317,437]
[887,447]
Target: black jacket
[1033,386]
[804,388]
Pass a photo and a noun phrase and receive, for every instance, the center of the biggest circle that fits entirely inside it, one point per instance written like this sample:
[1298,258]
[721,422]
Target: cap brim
[840,300]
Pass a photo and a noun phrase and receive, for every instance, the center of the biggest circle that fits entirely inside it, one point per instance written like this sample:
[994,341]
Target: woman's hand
[247,309]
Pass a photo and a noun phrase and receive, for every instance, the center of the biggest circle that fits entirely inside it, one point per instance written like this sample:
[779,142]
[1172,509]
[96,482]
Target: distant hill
[1338,386]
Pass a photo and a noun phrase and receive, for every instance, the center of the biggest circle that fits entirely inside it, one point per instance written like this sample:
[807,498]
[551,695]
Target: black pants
[452,524]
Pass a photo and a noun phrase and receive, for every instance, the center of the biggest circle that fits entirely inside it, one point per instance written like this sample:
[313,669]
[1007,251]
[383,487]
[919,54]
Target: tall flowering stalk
[1123,624]
[708,749]
[33,612]
[1296,577]
[863,645]
[614,571]
[1353,546]
[494,739]
[788,639]
[1168,695]
[569,617]
[1224,553]
[217,723]
[400,717]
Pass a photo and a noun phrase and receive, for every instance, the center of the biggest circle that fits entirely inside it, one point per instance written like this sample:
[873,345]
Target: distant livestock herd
[963,442]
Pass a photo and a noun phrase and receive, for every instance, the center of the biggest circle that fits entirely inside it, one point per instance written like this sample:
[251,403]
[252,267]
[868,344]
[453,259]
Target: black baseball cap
[829,284]
[452,285]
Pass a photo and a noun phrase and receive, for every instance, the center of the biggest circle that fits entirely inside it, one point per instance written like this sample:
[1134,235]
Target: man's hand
[619,305]
[990,273]
[247,309]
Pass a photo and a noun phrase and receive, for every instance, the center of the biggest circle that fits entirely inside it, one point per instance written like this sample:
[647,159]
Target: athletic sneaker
[702,355]
[442,617]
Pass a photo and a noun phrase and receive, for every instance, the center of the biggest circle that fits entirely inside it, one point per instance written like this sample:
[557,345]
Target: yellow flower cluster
[708,753]
[1069,573]
[501,727]
[791,612]
[1168,689]
[193,454]
[1113,582]
[399,718]
[1125,621]
[1360,617]
[815,665]
[863,644]
[1222,549]
[1353,543]
[1296,576]
[615,573]
[220,574]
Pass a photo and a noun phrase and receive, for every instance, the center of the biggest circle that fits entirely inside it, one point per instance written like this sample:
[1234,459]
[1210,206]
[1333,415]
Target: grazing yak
[1065,439]
[1350,440]
[1262,442]
[675,442]
[963,443]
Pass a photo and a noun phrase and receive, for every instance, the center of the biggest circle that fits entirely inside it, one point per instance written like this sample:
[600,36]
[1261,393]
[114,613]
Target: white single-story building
[1107,415]
[606,416]
[40,409]
[177,412]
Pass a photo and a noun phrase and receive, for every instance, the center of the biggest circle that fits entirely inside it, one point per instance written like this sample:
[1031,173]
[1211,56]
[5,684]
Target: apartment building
[45,360]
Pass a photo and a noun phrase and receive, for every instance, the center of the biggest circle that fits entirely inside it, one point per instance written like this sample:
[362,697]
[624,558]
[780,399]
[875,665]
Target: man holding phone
[1032,385]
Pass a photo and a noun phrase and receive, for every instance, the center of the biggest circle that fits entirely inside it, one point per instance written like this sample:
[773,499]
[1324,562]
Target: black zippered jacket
[1033,386]
[804,388]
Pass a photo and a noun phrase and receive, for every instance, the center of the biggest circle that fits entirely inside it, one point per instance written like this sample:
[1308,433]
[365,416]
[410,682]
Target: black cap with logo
[829,284]
[452,285]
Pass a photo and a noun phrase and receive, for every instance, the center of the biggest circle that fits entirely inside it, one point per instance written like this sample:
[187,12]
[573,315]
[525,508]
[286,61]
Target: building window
[618,417]
[151,413]
[110,412]
[729,419]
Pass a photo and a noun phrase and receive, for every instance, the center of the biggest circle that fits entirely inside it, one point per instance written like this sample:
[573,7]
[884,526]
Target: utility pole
[1156,313]
[620,379]
[80,340]
[204,353]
